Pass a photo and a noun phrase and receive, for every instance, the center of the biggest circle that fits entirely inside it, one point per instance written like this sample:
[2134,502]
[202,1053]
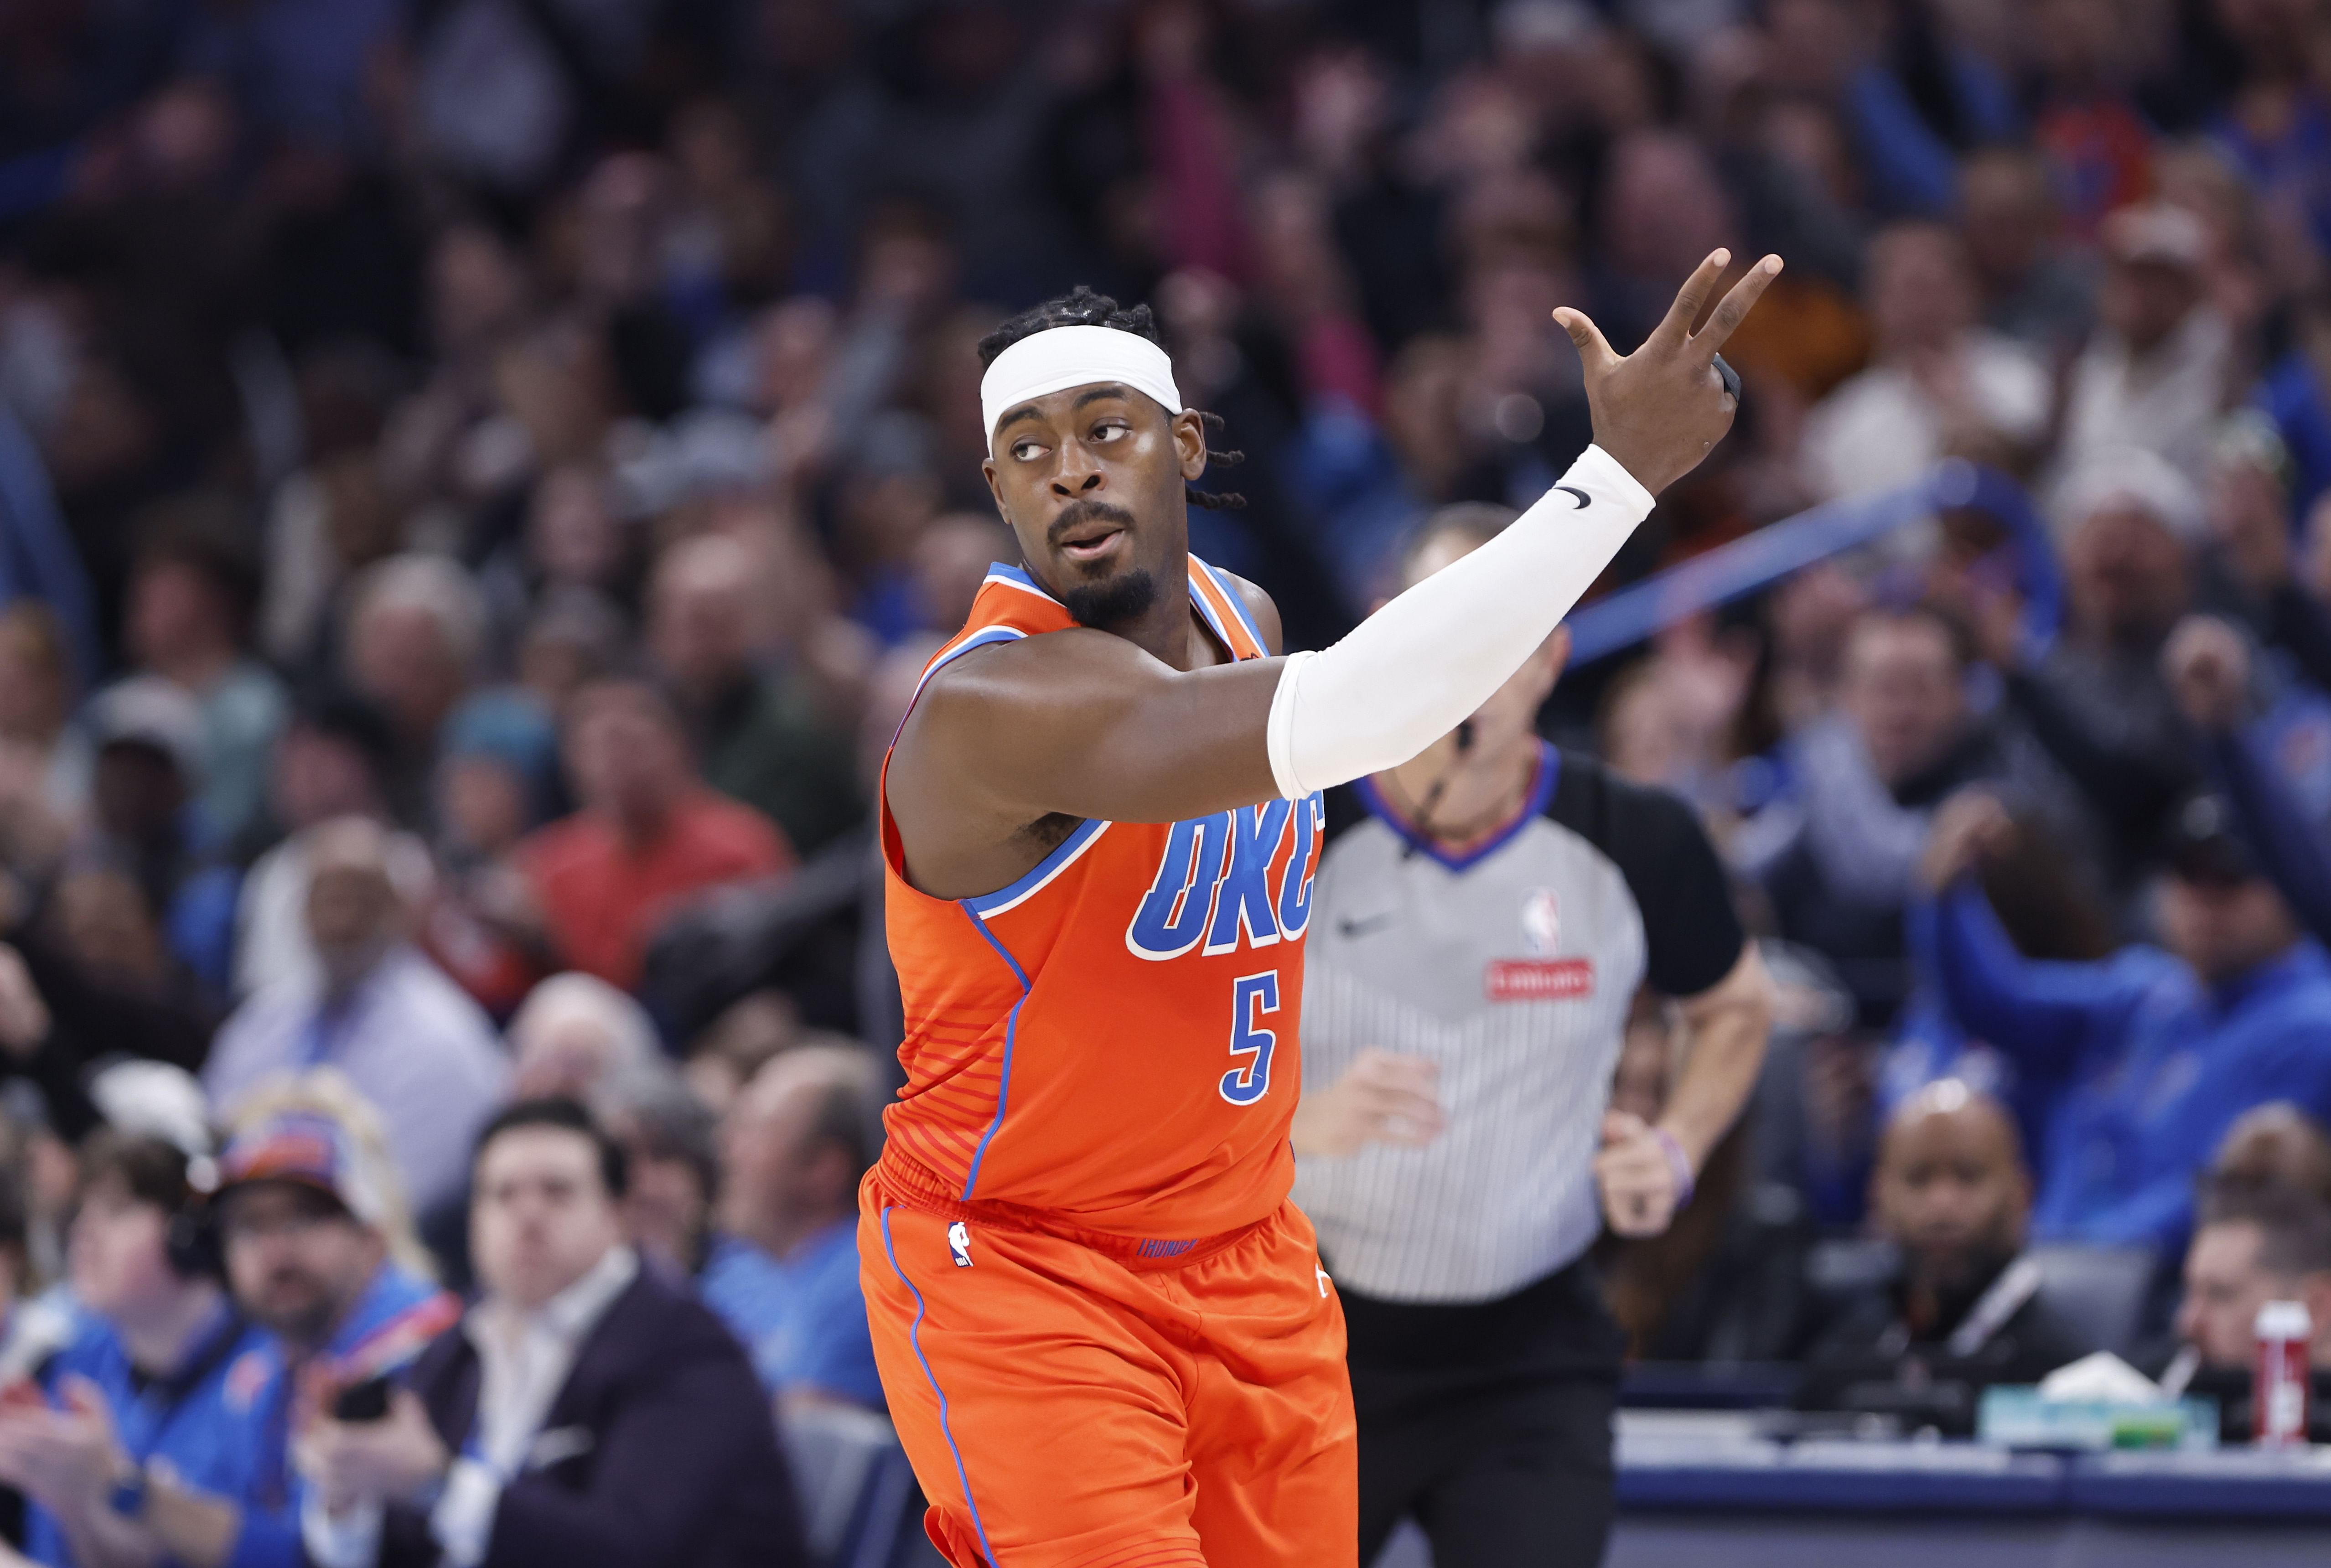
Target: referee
[1484,918]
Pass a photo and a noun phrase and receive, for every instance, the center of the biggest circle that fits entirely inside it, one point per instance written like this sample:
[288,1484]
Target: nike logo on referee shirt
[1585,500]
[1351,927]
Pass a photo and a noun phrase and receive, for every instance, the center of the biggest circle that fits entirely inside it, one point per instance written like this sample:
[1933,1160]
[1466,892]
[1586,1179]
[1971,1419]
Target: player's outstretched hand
[1663,408]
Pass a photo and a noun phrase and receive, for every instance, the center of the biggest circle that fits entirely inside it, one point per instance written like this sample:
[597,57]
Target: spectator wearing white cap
[2154,374]
[411,1040]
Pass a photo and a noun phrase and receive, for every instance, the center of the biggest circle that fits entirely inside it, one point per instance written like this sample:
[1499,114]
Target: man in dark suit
[583,1415]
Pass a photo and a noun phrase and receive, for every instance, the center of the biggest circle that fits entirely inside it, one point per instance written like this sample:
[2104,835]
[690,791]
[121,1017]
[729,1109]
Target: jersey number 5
[1251,996]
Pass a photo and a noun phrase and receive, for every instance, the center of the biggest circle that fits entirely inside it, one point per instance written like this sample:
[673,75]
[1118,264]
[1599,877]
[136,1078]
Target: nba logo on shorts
[1541,922]
[959,1243]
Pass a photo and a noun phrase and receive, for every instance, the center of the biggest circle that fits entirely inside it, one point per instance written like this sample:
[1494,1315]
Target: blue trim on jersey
[997,572]
[1011,1036]
[1550,772]
[986,904]
[914,1339]
[1238,604]
[1214,622]
[984,637]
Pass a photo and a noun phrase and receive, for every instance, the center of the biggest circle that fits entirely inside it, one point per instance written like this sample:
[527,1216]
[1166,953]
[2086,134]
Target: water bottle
[2281,1383]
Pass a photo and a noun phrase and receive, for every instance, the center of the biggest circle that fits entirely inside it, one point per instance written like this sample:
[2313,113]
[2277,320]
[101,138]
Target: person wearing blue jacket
[145,1430]
[319,1252]
[2150,1055]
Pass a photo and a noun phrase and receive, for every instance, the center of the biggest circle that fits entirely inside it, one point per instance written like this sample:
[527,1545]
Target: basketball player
[1104,1332]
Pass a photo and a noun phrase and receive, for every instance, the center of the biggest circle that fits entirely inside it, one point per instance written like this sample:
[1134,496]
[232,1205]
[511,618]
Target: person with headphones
[138,1442]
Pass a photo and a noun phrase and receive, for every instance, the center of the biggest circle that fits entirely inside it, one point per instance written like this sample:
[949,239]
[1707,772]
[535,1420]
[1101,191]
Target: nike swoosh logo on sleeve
[1585,500]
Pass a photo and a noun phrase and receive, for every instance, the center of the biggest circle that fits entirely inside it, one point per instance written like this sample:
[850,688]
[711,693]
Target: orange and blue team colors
[1104,1331]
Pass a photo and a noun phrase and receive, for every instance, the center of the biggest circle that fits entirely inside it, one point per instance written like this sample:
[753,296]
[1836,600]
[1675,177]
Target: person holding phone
[319,1252]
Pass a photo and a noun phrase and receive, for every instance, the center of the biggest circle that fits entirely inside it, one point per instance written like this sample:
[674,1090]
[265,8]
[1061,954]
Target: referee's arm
[1725,1028]
[1724,1031]
[1697,954]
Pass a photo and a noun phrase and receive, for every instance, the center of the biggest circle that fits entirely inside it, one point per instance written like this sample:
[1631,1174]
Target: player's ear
[1190,443]
[987,472]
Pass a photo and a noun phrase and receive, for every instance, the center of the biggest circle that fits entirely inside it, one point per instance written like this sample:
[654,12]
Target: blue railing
[1638,612]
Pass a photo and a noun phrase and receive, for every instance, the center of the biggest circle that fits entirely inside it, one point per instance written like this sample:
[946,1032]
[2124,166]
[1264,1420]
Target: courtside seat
[860,1507]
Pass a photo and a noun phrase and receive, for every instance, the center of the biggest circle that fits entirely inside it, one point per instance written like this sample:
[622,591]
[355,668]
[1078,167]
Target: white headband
[1060,358]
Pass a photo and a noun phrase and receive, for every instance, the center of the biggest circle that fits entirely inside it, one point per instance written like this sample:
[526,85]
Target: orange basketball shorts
[1072,1400]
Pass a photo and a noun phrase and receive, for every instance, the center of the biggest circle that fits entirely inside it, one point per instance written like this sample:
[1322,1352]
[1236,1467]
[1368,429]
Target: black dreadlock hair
[1082,307]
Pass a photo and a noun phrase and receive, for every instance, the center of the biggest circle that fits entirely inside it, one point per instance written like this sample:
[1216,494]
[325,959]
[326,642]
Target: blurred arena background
[439,437]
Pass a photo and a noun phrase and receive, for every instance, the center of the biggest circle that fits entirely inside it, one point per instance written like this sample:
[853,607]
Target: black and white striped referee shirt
[1513,966]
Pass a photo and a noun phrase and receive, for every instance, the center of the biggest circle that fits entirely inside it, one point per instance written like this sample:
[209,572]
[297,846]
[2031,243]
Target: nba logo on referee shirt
[1541,977]
[959,1243]
[1541,923]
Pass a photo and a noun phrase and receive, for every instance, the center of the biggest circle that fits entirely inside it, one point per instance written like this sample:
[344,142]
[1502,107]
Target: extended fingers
[1676,325]
[1734,308]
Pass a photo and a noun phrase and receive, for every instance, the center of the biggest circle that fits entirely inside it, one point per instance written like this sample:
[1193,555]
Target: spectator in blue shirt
[2151,1055]
[320,1253]
[145,1447]
[784,1272]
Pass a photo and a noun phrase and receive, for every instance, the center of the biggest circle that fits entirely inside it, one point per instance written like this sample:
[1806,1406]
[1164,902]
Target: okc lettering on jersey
[1214,883]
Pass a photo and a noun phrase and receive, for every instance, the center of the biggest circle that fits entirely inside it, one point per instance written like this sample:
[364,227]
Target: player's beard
[1114,601]
[1126,596]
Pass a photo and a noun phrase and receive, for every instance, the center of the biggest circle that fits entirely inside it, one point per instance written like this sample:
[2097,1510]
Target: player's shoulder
[985,684]
[1258,605]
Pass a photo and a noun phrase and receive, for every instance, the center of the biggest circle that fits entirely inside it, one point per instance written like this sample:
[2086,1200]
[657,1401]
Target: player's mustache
[1077,514]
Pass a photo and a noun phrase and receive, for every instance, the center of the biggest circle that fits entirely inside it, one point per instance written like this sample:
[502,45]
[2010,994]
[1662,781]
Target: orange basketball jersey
[1111,1039]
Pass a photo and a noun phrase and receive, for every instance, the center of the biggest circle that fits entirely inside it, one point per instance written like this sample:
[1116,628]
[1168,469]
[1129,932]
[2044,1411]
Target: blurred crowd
[479,478]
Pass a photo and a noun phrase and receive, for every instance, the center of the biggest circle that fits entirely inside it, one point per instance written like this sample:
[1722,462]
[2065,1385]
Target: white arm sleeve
[1410,672]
